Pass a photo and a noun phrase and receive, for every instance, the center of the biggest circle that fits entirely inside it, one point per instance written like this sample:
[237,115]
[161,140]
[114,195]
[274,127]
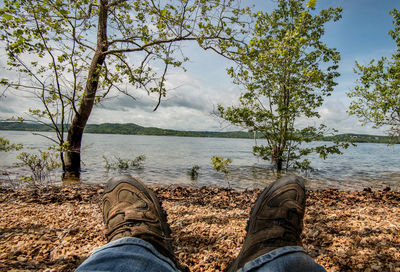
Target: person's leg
[138,235]
[290,258]
[273,240]
[127,254]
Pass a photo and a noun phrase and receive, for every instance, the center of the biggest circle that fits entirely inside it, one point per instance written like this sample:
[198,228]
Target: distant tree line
[133,129]
[361,138]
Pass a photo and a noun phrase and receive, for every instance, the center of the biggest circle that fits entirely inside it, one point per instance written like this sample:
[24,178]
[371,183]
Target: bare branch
[143,47]
[163,78]
[47,137]
[55,73]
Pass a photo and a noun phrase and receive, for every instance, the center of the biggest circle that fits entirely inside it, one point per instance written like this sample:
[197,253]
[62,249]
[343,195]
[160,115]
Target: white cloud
[194,94]
[187,107]
[334,115]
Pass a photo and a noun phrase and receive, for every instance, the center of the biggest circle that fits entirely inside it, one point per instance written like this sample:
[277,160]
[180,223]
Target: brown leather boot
[130,209]
[276,220]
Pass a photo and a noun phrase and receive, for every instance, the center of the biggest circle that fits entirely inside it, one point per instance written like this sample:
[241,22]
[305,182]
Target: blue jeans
[133,254]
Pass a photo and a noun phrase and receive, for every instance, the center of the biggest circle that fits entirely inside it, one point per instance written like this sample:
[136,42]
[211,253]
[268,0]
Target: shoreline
[312,183]
[58,227]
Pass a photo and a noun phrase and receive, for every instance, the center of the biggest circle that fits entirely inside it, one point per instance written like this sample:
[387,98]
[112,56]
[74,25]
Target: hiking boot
[130,209]
[276,220]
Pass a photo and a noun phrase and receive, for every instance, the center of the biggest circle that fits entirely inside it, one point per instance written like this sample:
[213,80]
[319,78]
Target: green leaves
[220,164]
[7,16]
[123,164]
[194,172]
[6,146]
[281,69]
[41,165]
[311,4]
[377,93]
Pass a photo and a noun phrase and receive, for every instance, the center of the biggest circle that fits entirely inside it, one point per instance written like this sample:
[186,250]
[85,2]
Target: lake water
[168,160]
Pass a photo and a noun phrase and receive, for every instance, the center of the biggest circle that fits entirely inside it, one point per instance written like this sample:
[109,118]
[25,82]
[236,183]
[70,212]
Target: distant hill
[133,129]
[130,128]
[361,138]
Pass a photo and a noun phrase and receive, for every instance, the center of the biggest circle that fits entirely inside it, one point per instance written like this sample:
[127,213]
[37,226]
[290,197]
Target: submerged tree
[287,71]
[71,53]
[377,94]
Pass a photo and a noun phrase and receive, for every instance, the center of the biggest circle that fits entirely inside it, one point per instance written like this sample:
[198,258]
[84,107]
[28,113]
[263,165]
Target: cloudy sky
[361,34]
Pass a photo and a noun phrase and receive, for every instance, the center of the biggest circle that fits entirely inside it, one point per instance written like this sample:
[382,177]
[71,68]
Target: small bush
[41,165]
[221,165]
[124,164]
[194,172]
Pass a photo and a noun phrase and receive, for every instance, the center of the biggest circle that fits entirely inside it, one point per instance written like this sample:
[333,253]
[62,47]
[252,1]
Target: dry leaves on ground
[57,228]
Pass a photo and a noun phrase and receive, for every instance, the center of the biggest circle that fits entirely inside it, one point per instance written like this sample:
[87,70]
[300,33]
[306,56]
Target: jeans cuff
[270,256]
[137,242]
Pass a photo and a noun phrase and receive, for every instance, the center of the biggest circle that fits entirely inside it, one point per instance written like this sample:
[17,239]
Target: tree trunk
[75,132]
[279,164]
[276,158]
[73,155]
